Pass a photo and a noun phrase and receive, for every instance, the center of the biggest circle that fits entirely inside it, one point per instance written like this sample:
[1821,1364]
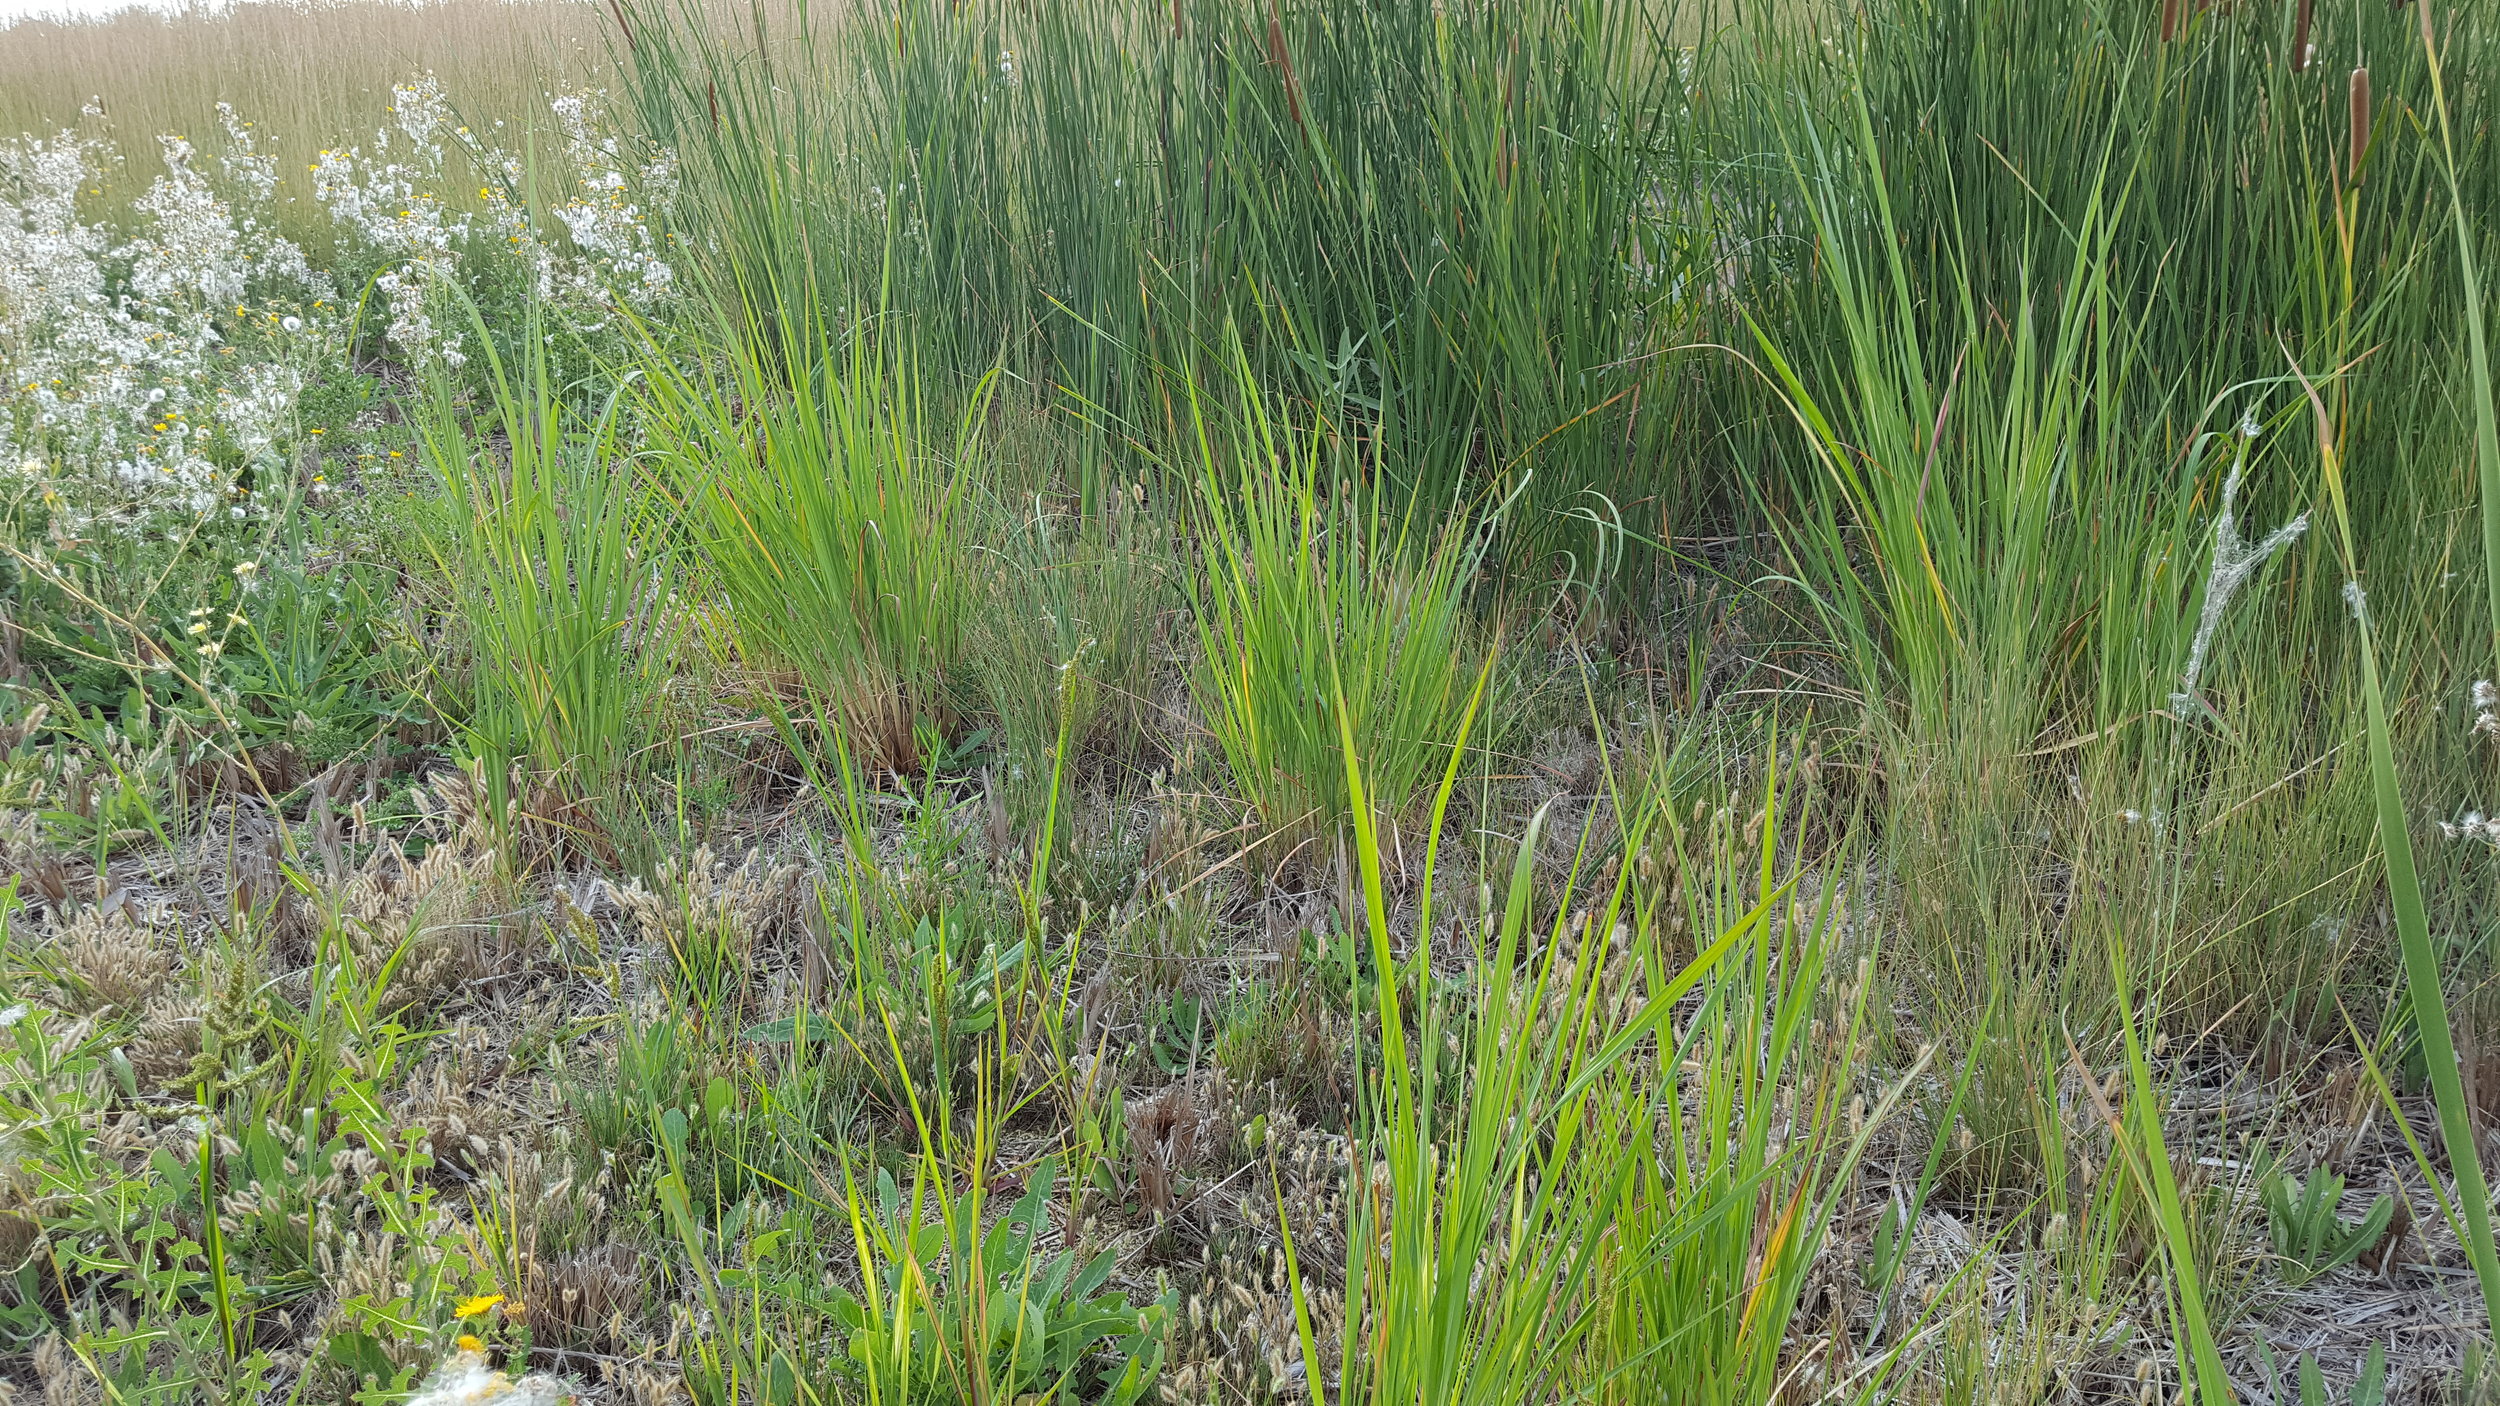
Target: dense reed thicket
[1522,700]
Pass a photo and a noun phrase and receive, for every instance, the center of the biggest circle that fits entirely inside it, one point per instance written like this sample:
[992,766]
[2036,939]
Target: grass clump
[553,550]
[1323,612]
[827,515]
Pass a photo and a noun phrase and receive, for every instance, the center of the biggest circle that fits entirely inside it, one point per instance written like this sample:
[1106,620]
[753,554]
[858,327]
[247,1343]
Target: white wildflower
[244,163]
[619,251]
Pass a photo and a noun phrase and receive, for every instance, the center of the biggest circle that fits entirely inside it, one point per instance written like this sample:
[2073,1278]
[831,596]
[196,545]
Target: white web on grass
[2235,560]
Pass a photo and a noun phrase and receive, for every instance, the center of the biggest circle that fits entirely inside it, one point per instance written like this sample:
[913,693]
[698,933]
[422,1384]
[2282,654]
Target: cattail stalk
[2300,38]
[1282,57]
[2169,20]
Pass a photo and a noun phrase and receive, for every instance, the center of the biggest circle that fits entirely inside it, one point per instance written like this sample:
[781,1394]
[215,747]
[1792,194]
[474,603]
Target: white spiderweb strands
[2235,560]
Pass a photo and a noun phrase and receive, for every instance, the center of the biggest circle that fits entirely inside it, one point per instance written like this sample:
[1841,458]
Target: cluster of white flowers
[121,375]
[619,252]
[152,363]
[390,200]
[2473,825]
[390,205]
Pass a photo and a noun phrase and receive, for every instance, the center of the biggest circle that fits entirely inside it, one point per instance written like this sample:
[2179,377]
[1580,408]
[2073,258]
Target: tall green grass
[1324,613]
[1951,445]
[2048,513]
[554,549]
[825,503]
[1573,1218]
[2035,370]
[1448,227]
[2423,978]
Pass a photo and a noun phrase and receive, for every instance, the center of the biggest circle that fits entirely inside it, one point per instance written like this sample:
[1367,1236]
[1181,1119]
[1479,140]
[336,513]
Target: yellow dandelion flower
[471,1308]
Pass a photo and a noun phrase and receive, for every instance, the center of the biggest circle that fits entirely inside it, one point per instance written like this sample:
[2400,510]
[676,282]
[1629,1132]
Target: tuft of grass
[554,553]
[1543,1240]
[1070,632]
[825,510]
[1323,615]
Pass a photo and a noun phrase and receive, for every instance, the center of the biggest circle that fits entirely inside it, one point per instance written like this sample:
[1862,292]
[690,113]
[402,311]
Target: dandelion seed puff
[2473,826]
[292,324]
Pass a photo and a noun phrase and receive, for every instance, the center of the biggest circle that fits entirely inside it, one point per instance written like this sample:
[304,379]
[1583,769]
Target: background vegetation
[1522,700]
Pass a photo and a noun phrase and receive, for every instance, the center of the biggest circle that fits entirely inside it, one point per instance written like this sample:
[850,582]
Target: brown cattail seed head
[2300,38]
